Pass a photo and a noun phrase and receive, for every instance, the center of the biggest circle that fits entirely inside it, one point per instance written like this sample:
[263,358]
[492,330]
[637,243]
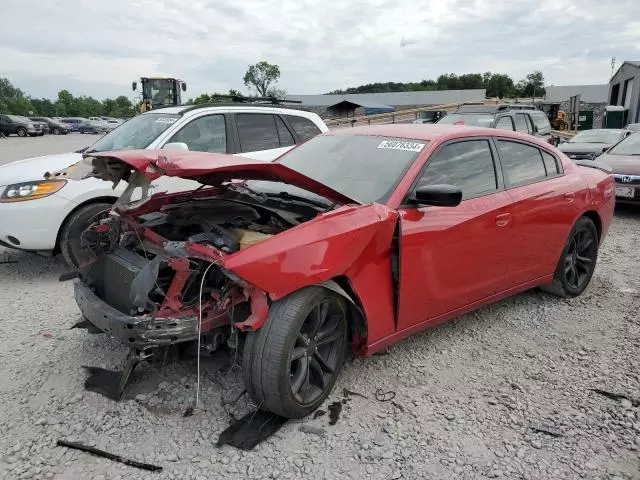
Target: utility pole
[613,64]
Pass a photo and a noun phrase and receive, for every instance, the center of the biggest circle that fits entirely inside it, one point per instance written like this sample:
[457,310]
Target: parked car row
[38,126]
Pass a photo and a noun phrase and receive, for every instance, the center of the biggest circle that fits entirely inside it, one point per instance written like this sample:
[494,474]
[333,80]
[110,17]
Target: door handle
[569,197]
[503,219]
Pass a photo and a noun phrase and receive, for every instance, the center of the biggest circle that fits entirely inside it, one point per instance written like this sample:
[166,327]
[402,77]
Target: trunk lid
[206,168]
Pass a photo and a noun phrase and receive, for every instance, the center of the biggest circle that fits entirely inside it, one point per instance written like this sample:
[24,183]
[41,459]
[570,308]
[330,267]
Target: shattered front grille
[120,268]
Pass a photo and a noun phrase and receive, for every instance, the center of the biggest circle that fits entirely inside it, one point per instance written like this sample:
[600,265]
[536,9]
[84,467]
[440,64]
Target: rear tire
[74,225]
[577,262]
[291,364]
[21,132]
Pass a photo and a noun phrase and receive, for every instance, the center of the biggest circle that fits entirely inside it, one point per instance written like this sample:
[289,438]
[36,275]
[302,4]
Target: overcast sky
[98,47]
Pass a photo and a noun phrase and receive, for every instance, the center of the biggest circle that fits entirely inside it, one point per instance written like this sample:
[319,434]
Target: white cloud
[100,47]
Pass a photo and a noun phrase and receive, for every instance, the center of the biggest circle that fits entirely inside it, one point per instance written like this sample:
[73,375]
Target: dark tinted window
[541,121]
[521,163]
[257,131]
[286,139]
[363,167]
[521,123]
[467,165]
[550,163]
[204,134]
[504,123]
[304,128]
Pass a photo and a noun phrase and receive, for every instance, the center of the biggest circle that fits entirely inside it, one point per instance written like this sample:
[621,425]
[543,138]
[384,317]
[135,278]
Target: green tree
[498,85]
[531,86]
[261,77]
[202,99]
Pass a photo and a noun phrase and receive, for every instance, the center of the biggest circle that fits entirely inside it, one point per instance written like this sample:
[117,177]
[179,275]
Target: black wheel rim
[317,351]
[580,259]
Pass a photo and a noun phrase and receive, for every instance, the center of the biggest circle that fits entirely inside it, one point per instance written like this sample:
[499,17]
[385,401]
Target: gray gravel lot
[16,148]
[474,397]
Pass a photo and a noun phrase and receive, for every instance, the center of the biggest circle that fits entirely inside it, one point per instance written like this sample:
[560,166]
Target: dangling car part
[357,237]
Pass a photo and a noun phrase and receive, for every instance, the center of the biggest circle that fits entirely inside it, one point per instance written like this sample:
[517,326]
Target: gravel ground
[16,148]
[469,395]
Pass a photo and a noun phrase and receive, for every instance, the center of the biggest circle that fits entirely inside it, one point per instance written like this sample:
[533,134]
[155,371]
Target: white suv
[49,215]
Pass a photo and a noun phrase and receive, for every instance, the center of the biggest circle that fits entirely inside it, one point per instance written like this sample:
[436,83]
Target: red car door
[453,256]
[545,204]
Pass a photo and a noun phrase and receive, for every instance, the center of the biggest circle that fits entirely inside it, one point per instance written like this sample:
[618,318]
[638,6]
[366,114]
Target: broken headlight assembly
[21,192]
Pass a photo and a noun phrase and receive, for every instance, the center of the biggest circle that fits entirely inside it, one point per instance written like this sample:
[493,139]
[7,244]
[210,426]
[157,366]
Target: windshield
[628,146]
[365,168]
[136,133]
[159,91]
[597,136]
[472,119]
[18,118]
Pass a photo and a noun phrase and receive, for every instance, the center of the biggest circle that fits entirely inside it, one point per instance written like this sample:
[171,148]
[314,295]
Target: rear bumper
[138,332]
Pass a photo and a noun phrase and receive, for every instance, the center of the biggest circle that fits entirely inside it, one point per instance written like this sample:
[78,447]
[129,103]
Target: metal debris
[110,456]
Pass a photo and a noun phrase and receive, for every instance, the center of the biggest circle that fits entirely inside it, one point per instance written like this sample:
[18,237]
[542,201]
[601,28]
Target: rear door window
[541,121]
[521,123]
[257,131]
[522,164]
[505,123]
[286,139]
[304,128]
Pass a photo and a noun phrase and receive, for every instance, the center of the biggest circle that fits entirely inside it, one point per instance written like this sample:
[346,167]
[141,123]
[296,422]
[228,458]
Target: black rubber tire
[55,131]
[267,353]
[74,225]
[21,132]
[560,286]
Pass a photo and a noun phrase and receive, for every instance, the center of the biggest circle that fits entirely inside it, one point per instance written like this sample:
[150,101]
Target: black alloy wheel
[577,261]
[317,352]
[580,258]
[291,364]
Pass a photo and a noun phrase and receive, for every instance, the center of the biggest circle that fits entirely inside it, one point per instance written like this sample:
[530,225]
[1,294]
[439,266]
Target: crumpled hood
[583,147]
[33,169]
[206,168]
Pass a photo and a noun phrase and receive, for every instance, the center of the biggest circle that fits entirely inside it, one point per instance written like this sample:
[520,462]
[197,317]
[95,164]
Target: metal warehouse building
[624,91]
[356,104]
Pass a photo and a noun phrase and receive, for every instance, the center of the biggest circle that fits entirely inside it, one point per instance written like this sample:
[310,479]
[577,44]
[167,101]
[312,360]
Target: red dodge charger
[358,237]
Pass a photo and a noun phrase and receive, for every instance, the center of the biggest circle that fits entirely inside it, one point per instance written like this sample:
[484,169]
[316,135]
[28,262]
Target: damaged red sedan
[355,239]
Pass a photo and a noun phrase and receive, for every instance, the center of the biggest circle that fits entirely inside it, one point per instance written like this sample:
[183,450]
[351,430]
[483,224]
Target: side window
[541,121]
[522,164]
[304,128]
[257,131]
[505,123]
[204,134]
[521,123]
[286,139]
[550,164]
[468,165]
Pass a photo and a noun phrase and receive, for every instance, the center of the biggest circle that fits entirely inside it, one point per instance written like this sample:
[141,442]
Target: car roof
[188,110]
[432,132]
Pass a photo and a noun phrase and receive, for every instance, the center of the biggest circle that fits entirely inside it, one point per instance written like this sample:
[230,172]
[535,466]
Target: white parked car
[47,216]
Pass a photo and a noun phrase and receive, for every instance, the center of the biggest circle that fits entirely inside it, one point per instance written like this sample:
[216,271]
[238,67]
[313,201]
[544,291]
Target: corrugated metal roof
[588,93]
[364,103]
[437,97]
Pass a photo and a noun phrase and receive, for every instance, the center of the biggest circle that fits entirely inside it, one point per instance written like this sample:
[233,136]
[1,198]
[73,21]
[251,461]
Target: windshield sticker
[402,145]
[165,120]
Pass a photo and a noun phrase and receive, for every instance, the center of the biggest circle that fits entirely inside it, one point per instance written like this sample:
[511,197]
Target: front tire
[55,131]
[74,225]
[577,262]
[21,132]
[291,364]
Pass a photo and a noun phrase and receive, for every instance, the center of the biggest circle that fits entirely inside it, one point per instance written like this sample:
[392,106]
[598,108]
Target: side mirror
[176,146]
[437,196]
[183,86]
[134,85]
[604,149]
